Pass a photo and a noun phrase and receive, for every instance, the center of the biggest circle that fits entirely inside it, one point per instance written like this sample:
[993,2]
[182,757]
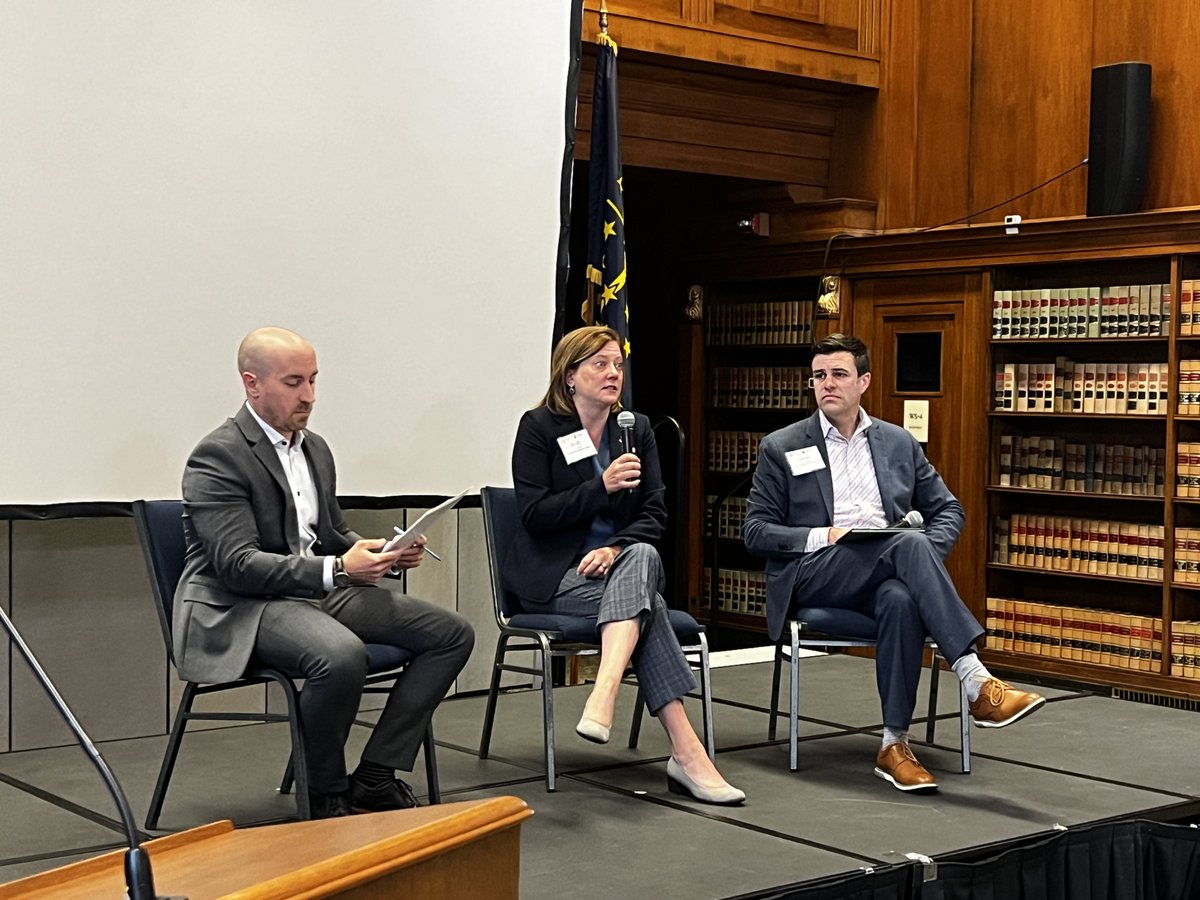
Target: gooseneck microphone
[625,422]
[912,519]
[139,880]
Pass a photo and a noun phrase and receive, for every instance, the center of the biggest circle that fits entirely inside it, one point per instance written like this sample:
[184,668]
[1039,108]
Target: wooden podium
[453,850]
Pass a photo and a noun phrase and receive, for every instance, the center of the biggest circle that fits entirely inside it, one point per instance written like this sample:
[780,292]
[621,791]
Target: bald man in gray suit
[275,577]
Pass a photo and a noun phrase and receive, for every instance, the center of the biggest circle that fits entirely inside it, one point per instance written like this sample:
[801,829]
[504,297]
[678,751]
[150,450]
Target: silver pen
[400,531]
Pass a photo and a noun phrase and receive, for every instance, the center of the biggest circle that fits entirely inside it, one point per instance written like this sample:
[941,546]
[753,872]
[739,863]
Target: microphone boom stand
[139,879]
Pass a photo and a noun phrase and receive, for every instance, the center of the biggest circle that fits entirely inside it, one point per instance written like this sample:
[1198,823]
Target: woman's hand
[624,473]
[597,562]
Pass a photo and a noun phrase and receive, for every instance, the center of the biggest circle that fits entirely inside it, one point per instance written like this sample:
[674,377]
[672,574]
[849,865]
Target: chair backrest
[672,461]
[501,519]
[160,532]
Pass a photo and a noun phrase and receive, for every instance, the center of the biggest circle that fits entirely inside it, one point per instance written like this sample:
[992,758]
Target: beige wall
[81,599]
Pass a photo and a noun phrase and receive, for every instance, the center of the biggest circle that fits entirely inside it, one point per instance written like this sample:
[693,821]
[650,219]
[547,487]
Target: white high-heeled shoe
[591,730]
[678,782]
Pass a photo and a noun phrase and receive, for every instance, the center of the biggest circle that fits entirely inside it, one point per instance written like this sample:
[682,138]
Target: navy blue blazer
[558,502]
[783,508]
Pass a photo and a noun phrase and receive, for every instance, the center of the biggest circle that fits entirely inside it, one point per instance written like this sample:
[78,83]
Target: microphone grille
[914,518]
[625,419]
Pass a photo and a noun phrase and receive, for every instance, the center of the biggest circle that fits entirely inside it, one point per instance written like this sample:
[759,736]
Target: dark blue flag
[606,207]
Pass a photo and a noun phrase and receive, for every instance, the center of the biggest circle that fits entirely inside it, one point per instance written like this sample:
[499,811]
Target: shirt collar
[864,422]
[276,439]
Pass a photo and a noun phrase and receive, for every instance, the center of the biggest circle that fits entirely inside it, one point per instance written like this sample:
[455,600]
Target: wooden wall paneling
[1164,33]
[715,123]
[765,35]
[895,146]
[1029,106]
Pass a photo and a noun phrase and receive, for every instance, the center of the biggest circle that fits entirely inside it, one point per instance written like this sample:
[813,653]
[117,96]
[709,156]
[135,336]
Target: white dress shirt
[856,500]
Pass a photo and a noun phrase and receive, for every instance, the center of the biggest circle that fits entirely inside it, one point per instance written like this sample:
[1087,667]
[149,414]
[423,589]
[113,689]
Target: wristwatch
[340,577]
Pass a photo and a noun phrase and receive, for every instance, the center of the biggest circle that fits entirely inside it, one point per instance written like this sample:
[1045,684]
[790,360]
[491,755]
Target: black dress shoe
[393,795]
[329,806]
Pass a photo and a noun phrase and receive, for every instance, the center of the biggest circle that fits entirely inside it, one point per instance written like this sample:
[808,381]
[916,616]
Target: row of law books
[1189,306]
[733,451]
[1064,386]
[1185,649]
[738,591]
[1095,636]
[729,520]
[1188,385]
[1054,464]
[761,387]
[1187,469]
[1187,556]
[1136,310]
[763,323]
[1084,546]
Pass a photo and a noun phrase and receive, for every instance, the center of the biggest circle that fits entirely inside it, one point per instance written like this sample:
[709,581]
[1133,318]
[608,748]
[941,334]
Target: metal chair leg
[774,718]
[431,770]
[635,727]
[935,676]
[547,711]
[710,742]
[489,713]
[794,706]
[964,719]
[169,756]
[299,763]
[289,775]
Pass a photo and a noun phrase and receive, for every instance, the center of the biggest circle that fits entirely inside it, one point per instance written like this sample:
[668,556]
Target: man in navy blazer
[840,469]
[274,576]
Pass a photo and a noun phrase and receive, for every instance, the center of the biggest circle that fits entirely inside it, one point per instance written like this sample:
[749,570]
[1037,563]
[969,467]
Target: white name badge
[804,460]
[576,446]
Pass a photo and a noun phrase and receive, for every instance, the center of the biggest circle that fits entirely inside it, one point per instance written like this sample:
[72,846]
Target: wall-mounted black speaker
[1119,138]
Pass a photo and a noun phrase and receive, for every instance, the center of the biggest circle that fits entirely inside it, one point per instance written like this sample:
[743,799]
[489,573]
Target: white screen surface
[381,177]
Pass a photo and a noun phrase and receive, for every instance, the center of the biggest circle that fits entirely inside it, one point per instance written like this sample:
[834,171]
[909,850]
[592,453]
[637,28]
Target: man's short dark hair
[845,343]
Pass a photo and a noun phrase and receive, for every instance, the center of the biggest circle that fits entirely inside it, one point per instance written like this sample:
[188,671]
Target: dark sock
[373,775]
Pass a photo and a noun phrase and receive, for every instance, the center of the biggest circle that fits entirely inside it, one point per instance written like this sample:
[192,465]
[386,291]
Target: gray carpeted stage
[612,828]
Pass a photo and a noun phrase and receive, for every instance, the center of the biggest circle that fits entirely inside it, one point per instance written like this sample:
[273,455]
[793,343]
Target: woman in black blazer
[589,508]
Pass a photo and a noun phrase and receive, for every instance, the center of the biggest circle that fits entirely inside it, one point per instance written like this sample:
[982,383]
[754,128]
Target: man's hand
[410,557]
[597,562]
[365,566]
[835,532]
[625,472]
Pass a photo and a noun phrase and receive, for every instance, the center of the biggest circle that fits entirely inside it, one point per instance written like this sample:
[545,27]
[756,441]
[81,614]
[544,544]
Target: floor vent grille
[1189,703]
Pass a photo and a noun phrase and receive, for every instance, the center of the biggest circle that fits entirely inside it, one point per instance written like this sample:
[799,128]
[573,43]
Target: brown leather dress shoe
[999,705]
[896,763]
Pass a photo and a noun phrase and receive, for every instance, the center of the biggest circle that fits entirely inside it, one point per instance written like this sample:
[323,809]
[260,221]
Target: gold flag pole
[603,18]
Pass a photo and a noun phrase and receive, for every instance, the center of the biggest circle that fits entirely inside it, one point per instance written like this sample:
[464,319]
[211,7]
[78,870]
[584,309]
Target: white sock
[892,736]
[972,673]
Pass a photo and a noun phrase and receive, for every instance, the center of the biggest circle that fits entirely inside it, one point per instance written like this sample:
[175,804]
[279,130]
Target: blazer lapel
[824,476]
[266,455]
[879,455]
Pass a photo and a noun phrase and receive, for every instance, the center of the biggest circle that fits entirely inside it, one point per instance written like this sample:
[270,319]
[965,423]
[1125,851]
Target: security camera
[1012,220]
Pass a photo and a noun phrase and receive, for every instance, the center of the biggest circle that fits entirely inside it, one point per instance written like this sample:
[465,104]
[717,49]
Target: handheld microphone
[625,422]
[139,880]
[911,519]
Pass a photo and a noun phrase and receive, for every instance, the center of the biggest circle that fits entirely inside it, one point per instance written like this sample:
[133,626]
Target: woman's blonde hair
[574,348]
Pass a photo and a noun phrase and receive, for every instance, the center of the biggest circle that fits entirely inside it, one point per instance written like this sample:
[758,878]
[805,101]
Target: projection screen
[382,177]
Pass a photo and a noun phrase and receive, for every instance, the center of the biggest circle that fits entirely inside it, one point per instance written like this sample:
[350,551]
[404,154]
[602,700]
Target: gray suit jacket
[783,508]
[243,545]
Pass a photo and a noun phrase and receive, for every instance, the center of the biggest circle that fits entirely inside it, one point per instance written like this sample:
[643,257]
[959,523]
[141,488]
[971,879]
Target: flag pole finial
[603,18]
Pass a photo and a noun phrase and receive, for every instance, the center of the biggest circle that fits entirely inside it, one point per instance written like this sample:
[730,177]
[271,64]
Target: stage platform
[612,828]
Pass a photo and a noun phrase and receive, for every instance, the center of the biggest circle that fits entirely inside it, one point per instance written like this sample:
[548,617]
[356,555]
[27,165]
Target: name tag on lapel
[576,446]
[804,460]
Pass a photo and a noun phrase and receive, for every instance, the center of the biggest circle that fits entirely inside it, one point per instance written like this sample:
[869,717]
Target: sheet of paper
[426,520]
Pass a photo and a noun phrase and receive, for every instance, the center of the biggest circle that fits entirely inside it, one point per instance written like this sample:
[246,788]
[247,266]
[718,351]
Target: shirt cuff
[817,538]
[327,573]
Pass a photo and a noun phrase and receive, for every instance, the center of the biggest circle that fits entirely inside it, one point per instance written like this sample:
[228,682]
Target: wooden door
[928,342]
